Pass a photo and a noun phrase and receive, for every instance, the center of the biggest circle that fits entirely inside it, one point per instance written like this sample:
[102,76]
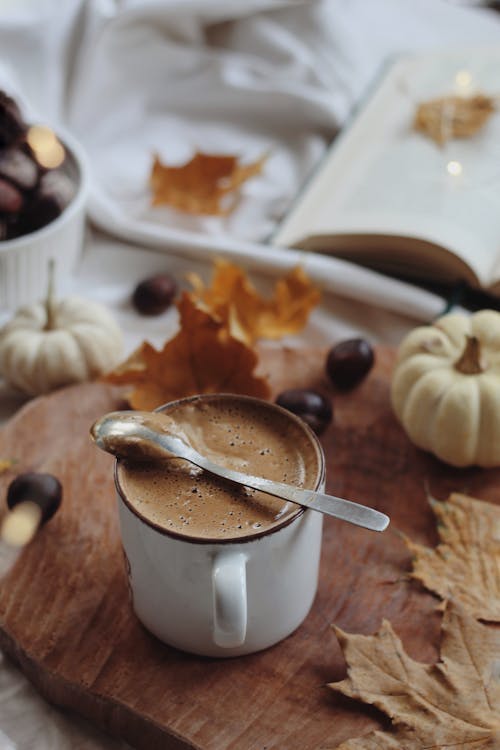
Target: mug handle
[229,586]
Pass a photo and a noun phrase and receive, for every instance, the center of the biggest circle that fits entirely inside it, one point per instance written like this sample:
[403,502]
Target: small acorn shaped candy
[32,498]
[154,295]
[312,407]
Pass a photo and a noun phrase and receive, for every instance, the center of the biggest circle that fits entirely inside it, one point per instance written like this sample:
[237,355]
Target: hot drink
[215,568]
[245,434]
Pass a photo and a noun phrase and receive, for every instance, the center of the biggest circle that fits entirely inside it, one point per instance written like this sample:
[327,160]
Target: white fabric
[134,78]
[130,78]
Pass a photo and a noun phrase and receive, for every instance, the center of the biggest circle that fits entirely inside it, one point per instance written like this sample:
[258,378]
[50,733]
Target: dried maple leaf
[452,704]
[202,358]
[207,184]
[453,116]
[465,566]
[233,298]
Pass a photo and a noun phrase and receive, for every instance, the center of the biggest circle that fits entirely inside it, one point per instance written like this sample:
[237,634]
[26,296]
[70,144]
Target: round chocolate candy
[44,490]
[312,407]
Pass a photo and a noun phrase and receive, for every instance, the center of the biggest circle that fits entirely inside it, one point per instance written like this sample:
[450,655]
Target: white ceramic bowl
[24,261]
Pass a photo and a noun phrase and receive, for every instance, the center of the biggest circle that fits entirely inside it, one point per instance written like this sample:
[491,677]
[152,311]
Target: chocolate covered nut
[38,211]
[12,125]
[43,489]
[54,192]
[11,199]
[154,295]
[32,500]
[58,187]
[17,167]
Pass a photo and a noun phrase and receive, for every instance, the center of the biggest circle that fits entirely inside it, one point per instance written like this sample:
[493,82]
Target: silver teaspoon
[144,435]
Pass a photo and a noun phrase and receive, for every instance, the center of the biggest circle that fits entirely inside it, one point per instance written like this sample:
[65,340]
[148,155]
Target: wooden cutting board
[64,611]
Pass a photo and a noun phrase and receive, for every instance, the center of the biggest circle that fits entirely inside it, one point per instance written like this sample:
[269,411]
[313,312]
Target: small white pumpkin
[445,388]
[52,344]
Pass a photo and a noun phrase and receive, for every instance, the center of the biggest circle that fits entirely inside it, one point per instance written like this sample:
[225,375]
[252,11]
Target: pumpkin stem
[469,362]
[50,301]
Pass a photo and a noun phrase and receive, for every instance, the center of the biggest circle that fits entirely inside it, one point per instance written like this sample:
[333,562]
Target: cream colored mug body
[223,598]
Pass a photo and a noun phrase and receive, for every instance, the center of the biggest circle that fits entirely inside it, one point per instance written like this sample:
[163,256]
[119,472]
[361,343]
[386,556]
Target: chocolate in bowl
[52,228]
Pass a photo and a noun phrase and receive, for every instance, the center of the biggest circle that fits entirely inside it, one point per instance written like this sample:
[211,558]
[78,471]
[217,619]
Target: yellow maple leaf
[452,704]
[202,358]
[203,184]
[453,116]
[465,565]
[233,298]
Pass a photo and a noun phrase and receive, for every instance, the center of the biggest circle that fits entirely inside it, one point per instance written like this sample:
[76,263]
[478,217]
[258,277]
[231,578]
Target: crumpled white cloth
[132,78]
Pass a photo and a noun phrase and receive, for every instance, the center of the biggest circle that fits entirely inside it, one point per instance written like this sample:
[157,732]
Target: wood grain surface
[64,610]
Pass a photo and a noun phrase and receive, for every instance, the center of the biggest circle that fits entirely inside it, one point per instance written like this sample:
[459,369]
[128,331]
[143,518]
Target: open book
[392,198]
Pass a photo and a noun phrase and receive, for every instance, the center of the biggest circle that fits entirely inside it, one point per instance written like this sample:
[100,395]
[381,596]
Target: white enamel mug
[227,597]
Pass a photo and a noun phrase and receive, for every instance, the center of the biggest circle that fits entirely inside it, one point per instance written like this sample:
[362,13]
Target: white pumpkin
[48,345]
[445,388]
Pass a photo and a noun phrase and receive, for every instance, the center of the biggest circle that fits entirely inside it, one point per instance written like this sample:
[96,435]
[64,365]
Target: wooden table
[66,620]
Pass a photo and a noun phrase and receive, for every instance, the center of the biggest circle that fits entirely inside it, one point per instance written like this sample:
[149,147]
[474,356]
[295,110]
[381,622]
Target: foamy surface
[235,433]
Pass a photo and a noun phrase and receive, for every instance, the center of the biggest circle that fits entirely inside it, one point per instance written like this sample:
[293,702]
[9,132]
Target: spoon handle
[346,510]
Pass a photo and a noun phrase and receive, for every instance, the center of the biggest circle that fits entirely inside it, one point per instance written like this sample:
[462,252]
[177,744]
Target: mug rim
[244,539]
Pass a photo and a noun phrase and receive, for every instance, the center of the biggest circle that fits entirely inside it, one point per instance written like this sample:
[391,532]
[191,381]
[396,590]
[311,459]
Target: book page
[383,178]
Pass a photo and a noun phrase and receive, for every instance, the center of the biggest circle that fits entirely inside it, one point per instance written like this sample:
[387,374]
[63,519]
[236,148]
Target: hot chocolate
[245,434]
